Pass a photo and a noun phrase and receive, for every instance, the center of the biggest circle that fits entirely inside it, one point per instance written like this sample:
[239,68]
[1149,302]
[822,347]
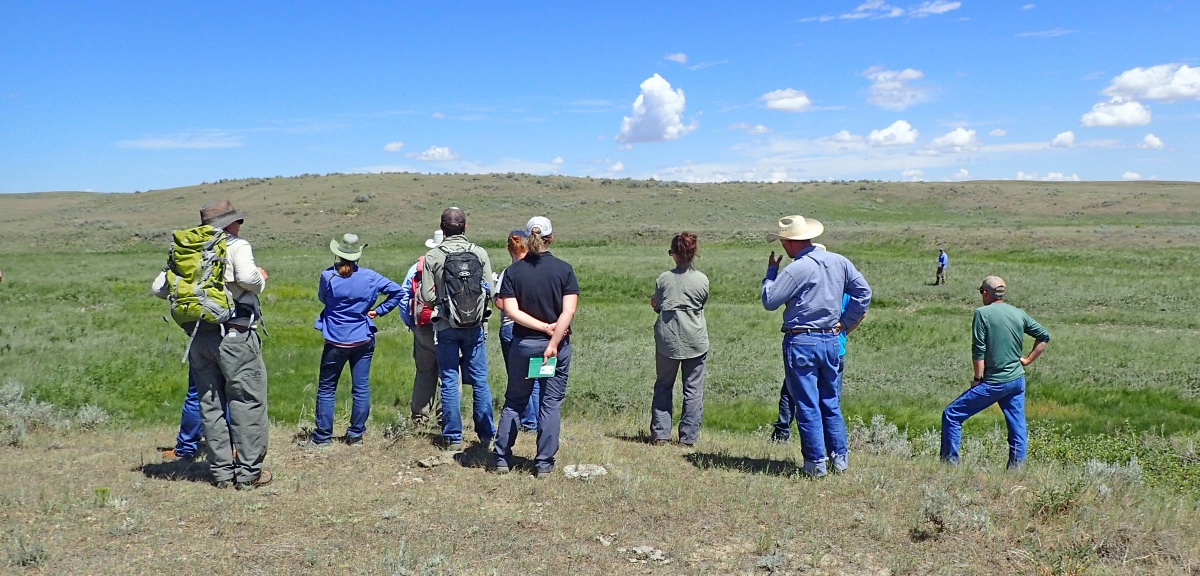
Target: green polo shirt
[997,333]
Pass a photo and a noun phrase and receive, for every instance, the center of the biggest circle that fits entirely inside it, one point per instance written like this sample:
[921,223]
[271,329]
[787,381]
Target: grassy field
[1115,401]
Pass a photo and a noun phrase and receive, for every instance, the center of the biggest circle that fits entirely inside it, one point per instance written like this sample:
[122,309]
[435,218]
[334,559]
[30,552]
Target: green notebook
[538,369]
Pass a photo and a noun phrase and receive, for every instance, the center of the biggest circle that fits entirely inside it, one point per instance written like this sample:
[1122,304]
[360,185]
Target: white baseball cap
[542,223]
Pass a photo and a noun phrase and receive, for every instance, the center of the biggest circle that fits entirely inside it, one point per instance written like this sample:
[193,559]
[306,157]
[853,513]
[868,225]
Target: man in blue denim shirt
[812,287]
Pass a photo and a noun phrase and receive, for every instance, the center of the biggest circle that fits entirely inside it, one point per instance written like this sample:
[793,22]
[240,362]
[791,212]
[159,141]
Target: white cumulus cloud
[891,89]
[845,137]
[1063,140]
[1151,142]
[1117,113]
[788,100]
[393,146]
[1131,176]
[1049,177]
[959,176]
[679,57]
[618,167]
[657,114]
[558,161]
[998,132]
[1163,83]
[913,175]
[434,154]
[957,140]
[749,129]
[898,134]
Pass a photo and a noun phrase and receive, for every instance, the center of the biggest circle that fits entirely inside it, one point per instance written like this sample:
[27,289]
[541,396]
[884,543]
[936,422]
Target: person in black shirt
[540,293]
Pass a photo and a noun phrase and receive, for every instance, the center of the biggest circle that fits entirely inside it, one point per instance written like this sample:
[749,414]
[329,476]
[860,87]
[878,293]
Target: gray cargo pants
[693,397]
[229,371]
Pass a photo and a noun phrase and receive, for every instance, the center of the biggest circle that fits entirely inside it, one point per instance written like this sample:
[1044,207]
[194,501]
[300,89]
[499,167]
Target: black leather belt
[809,330]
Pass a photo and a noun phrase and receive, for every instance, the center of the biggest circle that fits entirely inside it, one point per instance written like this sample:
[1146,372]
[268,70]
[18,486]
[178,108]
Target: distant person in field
[997,332]
[418,317]
[540,293]
[460,302]
[516,251]
[811,289]
[680,343]
[943,263]
[349,293]
[226,363]
[787,405]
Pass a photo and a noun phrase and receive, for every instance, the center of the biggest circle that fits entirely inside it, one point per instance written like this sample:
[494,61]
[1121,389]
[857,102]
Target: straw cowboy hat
[438,237]
[796,228]
[349,248]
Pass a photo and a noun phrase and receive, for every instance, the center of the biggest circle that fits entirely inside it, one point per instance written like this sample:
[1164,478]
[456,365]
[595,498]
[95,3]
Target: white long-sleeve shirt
[241,276]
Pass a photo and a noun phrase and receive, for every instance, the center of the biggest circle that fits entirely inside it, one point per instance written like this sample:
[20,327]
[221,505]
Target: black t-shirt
[538,282]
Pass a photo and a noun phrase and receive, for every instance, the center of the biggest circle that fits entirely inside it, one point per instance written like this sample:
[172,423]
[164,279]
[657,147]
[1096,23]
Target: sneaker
[781,440]
[687,444]
[814,469]
[841,463]
[498,470]
[222,484]
[529,429]
[659,442]
[310,445]
[540,474]
[173,455]
[452,446]
[262,480]
[355,441]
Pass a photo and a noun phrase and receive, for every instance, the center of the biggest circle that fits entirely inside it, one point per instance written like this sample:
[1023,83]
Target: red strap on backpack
[421,313]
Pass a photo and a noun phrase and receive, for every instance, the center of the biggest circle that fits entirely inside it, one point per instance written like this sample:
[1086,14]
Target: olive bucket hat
[348,248]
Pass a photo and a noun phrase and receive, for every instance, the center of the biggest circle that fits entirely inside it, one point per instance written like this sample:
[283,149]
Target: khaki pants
[230,373]
[425,382]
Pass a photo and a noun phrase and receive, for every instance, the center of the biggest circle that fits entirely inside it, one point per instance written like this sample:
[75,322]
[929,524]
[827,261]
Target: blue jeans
[191,426]
[812,374]
[516,399]
[333,360]
[462,351]
[529,418]
[787,409]
[1011,398]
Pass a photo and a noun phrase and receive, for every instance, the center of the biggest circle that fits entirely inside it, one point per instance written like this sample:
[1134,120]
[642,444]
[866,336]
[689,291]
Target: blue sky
[124,96]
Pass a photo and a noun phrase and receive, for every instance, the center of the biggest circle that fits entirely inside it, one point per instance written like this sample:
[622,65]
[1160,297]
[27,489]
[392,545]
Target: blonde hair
[535,243]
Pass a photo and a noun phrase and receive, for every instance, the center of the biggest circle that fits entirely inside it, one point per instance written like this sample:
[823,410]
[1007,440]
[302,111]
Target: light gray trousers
[693,397]
[425,382]
[229,372]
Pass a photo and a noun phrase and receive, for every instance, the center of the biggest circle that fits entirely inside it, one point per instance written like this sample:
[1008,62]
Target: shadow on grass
[178,470]
[706,461]
[642,437]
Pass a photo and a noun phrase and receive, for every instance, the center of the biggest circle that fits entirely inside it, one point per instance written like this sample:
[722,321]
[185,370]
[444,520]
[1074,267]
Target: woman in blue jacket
[349,293]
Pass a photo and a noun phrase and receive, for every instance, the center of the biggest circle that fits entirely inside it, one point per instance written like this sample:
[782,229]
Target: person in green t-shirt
[996,344]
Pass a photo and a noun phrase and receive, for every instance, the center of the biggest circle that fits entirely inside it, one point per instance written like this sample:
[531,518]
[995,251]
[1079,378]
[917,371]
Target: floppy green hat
[349,248]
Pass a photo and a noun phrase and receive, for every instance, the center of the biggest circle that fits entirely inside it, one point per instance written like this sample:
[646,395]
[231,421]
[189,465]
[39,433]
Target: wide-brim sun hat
[438,238]
[796,227]
[219,214]
[348,248]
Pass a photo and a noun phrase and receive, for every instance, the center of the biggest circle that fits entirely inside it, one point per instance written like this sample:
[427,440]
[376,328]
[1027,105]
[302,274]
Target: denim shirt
[347,301]
[812,286]
[406,297]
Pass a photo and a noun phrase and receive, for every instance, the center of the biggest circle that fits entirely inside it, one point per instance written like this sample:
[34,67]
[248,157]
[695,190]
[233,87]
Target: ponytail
[345,268]
[516,246]
[535,243]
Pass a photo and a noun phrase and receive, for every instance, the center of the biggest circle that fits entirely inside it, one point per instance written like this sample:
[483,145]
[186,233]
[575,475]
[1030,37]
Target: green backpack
[196,277]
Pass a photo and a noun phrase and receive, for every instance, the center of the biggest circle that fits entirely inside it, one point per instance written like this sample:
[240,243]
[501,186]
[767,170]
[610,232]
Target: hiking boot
[498,470]
[687,444]
[781,440]
[355,441]
[173,455]
[814,469]
[659,442]
[310,445]
[262,480]
[222,484]
[529,429]
[449,446]
[542,474]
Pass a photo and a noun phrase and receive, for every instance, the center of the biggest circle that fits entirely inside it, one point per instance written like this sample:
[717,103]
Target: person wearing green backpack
[212,284]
